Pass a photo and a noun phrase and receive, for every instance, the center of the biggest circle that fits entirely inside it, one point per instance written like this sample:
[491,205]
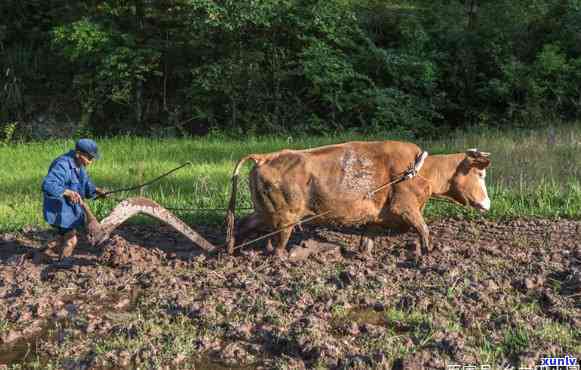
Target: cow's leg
[407,203]
[414,219]
[366,245]
[282,240]
[284,224]
[365,242]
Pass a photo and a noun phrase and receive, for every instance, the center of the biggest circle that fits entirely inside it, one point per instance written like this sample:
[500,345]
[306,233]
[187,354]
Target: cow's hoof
[413,249]
[366,247]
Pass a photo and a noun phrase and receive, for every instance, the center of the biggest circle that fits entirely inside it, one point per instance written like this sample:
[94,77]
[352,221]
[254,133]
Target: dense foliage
[179,67]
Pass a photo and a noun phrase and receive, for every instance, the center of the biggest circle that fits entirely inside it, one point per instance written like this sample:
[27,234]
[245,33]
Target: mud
[487,294]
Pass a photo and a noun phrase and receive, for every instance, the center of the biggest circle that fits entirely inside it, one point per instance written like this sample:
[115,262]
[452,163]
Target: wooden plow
[99,232]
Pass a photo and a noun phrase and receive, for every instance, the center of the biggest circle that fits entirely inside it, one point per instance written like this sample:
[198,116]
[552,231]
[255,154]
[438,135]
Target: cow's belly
[341,211]
[344,197]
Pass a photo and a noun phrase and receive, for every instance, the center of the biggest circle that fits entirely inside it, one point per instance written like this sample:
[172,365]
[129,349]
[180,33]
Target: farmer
[64,187]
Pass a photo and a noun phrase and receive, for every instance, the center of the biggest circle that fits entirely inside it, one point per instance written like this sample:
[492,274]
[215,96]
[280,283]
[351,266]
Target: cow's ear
[478,159]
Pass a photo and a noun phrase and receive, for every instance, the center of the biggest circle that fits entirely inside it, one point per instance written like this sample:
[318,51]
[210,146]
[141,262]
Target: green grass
[527,178]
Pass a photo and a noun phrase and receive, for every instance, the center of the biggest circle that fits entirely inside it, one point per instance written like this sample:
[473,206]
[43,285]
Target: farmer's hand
[72,196]
[101,193]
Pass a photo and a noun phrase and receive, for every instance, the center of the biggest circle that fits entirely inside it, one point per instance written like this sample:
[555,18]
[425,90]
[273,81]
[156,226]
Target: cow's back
[355,169]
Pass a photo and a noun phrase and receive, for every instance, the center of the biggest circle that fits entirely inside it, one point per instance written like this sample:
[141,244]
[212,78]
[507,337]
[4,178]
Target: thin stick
[148,182]
[203,209]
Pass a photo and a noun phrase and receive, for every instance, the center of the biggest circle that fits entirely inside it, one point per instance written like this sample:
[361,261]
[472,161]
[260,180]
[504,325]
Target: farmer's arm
[54,182]
[91,190]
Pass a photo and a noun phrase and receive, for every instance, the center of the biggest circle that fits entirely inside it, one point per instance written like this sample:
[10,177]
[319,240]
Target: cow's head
[468,186]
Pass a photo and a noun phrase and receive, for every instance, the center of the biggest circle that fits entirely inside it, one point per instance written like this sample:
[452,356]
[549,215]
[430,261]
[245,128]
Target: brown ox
[335,181]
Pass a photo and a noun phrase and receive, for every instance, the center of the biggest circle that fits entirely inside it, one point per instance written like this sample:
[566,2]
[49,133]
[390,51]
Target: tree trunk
[138,86]
[471,7]
[471,13]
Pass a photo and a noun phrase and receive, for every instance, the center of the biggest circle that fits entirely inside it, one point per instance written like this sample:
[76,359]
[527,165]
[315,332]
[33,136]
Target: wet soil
[505,292]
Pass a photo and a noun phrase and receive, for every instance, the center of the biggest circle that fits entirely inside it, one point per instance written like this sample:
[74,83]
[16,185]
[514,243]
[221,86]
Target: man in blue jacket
[65,185]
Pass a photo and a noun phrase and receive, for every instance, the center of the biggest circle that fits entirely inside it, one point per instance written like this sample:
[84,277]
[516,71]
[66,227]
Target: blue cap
[88,146]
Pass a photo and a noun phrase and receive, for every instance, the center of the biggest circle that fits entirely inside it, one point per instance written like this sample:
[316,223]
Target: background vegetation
[533,174]
[182,67]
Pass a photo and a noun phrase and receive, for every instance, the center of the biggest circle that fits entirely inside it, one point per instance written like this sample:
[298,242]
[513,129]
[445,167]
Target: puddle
[18,352]
[25,350]
[367,316]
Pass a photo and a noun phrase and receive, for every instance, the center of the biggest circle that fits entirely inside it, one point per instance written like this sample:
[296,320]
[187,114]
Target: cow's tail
[230,214]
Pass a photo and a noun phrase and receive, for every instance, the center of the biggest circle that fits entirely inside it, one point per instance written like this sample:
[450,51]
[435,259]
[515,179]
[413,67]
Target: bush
[246,67]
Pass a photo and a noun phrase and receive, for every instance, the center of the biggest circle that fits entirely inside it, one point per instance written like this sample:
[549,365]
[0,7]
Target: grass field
[531,174]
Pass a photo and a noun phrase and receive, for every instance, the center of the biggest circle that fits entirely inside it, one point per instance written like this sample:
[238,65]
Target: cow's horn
[473,152]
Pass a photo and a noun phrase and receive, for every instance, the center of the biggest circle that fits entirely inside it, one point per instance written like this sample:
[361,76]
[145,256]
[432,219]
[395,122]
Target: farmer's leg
[69,242]
[55,243]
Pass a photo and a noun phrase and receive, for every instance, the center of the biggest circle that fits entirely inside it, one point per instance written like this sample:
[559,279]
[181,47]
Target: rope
[106,194]
[119,200]
[281,229]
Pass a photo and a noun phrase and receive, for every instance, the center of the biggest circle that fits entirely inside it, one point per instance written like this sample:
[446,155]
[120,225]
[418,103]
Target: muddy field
[491,293]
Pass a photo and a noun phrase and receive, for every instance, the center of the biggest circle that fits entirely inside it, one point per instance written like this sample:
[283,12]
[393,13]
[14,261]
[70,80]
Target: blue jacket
[63,174]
